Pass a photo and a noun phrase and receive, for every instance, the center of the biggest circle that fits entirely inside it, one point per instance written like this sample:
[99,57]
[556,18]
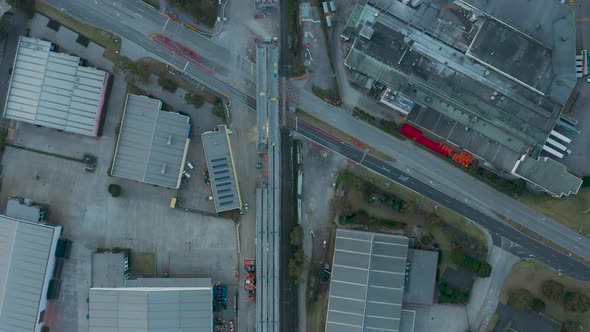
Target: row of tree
[572,301]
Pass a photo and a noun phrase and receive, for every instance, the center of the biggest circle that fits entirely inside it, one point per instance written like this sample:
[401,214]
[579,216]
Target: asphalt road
[539,251]
[135,21]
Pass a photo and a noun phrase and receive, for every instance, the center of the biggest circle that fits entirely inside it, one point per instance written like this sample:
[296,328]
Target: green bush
[552,290]
[521,298]
[167,84]
[576,302]
[194,99]
[538,305]
[484,270]
[481,268]
[114,190]
[448,294]
[586,181]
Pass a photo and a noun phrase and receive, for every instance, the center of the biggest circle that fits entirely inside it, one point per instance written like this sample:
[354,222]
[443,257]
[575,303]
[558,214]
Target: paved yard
[524,321]
[185,244]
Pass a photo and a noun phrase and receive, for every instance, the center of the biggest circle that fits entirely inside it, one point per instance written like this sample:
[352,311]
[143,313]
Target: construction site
[474,80]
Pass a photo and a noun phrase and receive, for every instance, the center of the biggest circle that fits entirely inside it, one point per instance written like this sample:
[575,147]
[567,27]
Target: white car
[245,207]
[188,163]
[186,174]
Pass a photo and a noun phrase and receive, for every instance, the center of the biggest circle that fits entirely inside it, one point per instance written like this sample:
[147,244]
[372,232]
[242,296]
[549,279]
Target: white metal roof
[52,90]
[152,144]
[367,283]
[167,308]
[26,264]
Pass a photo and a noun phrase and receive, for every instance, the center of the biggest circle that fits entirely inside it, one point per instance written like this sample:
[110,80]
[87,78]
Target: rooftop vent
[169,142]
[163,171]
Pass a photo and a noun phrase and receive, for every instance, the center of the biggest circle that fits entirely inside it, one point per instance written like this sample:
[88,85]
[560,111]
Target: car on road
[245,207]
[190,165]
[258,165]
[186,174]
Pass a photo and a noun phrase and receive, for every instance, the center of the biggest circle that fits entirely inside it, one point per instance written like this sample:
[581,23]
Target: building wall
[48,275]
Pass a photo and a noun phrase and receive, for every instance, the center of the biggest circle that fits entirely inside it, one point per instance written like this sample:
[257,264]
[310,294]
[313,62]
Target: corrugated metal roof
[52,90]
[152,144]
[220,163]
[27,250]
[152,309]
[367,283]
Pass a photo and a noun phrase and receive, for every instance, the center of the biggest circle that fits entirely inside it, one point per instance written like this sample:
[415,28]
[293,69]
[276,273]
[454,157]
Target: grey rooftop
[152,144]
[221,167]
[367,284]
[52,90]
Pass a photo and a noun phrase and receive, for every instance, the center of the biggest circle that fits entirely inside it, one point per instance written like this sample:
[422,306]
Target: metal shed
[52,90]
[152,144]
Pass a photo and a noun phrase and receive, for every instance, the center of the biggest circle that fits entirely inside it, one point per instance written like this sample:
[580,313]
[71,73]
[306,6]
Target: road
[233,77]
[268,247]
[540,251]
[136,21]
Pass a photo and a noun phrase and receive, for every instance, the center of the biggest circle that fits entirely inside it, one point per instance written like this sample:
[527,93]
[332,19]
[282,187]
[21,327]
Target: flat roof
[52,90]
[108,269]
[26,265]
[513,53]
[146,308]
[549,175]
[24,209]
[421,277]
[152,144]
[221,167]
[499,87]
[367,284]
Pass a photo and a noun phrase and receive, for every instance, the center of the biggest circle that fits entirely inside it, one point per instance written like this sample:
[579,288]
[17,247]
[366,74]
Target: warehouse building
[221,168]
[152,144]
[26,267]
[370,272]
[489,77]
[153,304]
[53,90]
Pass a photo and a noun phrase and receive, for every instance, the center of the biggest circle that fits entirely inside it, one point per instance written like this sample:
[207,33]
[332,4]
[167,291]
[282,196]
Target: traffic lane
[110,16]
[543,253]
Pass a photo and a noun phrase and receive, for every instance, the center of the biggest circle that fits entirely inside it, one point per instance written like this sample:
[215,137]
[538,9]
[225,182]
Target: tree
[296,236]
[484,270]
[434,220]
[538,305]
[552,290]
[296,263]
[571,326]
[576,302]
[521,298]
[410,207]
[194,99]
[114,190]
[167,84]
[27,6]
[4,29]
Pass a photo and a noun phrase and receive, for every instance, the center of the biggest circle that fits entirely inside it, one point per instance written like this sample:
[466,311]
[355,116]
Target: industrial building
[221,168]
[152,143]
[27,265]
[370,276]
[53,90]
[153,304]
[489,77]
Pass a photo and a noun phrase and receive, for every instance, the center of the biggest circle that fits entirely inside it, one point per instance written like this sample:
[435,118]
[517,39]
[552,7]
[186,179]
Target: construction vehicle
[250,282]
